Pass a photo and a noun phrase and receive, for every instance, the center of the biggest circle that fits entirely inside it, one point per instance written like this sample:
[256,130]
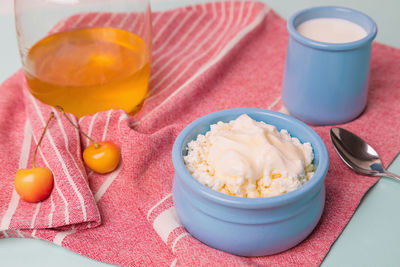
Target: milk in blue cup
[331,30]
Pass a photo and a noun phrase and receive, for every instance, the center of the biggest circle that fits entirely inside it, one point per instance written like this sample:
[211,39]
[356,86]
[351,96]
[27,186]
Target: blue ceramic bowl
[245,226]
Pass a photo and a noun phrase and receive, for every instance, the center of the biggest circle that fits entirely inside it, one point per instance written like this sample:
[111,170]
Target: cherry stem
[96,145]
[41,138]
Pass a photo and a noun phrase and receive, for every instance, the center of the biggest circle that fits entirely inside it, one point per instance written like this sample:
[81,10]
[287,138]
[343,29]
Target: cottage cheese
[246,158]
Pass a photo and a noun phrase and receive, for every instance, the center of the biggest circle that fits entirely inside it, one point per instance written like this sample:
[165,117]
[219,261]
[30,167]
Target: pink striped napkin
[206,58]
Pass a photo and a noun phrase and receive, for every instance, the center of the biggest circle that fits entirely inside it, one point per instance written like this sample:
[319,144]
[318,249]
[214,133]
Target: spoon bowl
[358,154]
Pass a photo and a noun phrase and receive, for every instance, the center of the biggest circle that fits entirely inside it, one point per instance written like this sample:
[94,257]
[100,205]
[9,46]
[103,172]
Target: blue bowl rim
[331,46]
[252,203]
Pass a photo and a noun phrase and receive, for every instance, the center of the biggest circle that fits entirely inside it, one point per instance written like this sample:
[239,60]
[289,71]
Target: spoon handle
[392,175]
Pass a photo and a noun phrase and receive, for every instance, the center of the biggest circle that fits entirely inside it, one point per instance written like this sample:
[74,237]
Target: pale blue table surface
[372,237]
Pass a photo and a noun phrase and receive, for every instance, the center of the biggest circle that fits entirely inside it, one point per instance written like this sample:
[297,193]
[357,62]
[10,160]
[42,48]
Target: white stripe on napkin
[23,162]
[166,222]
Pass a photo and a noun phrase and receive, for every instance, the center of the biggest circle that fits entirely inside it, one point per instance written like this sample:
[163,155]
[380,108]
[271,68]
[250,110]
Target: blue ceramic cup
[327,83]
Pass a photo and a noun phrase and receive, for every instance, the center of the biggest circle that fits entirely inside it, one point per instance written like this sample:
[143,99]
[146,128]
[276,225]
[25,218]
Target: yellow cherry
[102,157]
[35,184]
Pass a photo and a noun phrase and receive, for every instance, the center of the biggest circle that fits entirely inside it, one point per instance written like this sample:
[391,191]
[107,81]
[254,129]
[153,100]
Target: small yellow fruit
[34,185]
[102,157]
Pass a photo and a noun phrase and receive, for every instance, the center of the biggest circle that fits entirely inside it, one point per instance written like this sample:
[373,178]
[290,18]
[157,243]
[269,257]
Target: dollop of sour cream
[247,158]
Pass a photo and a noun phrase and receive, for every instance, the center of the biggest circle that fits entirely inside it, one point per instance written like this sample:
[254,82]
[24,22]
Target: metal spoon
[357,154]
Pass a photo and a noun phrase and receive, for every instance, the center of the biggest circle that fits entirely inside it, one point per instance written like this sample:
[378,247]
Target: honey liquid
[89,70]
